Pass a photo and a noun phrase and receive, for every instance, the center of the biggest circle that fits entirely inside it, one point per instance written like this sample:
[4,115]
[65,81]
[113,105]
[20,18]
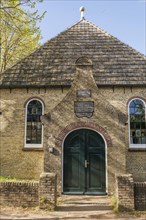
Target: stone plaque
[84,93]
[84,109]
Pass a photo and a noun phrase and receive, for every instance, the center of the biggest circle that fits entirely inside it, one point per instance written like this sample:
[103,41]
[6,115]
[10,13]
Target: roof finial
[82,9]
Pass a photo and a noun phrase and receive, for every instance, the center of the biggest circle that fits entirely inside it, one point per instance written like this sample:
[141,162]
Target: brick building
[76,107]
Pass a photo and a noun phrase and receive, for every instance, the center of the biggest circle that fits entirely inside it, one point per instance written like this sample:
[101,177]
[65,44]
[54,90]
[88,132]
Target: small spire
[82,9]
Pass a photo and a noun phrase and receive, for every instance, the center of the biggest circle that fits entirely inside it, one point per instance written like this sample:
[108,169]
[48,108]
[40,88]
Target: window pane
[34,126]
[137,107]
[137,122]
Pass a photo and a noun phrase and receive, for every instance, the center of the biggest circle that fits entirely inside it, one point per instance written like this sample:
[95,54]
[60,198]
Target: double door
[84,163]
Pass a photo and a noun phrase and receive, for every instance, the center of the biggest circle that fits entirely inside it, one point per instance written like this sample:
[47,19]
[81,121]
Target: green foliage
[113,203]
[13,179]
[3,178]
[20,34]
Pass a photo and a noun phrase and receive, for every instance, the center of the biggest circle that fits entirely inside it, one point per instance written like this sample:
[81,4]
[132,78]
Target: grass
[113,203]
[13,179]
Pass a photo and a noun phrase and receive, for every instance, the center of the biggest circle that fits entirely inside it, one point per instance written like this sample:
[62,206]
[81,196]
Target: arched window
[33,126]
[137,123]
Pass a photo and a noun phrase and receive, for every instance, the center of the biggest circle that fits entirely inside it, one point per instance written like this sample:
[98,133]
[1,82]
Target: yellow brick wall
[16,162]
[26,164]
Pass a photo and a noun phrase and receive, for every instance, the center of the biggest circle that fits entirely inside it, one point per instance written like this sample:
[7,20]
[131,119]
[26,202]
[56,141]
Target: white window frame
[135,146]
[31,146]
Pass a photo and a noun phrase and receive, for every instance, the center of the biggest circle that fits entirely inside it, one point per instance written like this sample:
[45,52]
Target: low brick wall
[30,194]
[140,196]
[130,195]
[125,192]
[48,191]
[19,194]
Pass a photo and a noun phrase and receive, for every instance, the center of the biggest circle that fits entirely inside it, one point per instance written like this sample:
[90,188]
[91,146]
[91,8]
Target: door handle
[86,163]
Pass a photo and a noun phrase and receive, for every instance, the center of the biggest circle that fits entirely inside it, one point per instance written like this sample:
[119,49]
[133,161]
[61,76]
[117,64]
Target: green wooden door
[84,163]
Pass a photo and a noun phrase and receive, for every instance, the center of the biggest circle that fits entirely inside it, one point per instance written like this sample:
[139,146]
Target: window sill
[137,147]
[33,147]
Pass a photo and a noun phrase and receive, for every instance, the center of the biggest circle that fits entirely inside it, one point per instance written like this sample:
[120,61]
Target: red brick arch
[78,125]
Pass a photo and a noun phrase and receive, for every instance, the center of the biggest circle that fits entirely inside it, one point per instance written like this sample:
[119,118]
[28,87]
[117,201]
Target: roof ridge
[107,33]
[62,32]
[41,63]
[67,29]
[99,28]
[75,24]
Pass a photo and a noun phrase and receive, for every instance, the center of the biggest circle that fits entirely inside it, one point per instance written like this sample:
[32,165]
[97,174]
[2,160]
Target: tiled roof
[53,64]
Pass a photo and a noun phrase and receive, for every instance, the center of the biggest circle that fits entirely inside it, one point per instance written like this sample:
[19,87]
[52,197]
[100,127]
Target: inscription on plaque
[84,93]
[84,109]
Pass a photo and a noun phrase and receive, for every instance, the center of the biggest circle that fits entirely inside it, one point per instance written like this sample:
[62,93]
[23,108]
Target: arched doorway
[84,162]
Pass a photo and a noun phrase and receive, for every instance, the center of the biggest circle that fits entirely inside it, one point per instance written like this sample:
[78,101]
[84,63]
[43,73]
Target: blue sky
[125,19]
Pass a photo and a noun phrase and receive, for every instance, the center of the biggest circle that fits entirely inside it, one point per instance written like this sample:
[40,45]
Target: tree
[20,34]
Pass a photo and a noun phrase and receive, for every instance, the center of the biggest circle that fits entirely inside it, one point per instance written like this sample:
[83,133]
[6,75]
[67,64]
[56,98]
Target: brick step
[84,203]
